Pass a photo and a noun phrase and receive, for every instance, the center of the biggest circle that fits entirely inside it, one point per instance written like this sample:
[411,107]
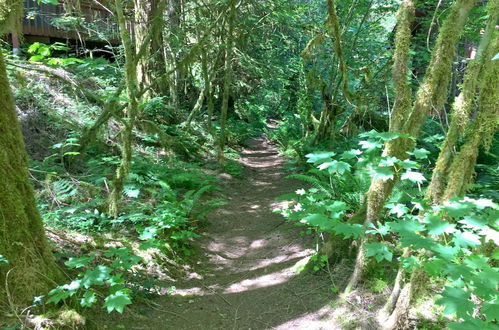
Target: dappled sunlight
[262,281]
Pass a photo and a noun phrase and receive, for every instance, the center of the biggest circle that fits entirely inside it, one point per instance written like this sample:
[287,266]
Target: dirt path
[246,276]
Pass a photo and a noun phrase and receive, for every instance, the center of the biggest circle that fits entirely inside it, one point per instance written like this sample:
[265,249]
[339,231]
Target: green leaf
[398,209]
[370,145]
[409,225]
[131,191]
[491,311]
[335,167]
[379,250]
[470,323]
[351,154]
[477,261]
[457,208]
[117,301]
[436,226]
[383,173]
[50,2]
[408,164]
[319,220]
[337,209]
[409,263]
[466,239]
[3,260]
[389,161]
[382,229]
[413,177]
[456,300]
[446,252]
[36,58]
[88,299]
[96,276]
[149,233]
[349,230]
[419,153]
[80,262]
[317,157]
[56,295]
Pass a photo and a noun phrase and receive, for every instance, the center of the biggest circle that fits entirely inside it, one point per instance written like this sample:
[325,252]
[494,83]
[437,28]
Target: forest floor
[245,274]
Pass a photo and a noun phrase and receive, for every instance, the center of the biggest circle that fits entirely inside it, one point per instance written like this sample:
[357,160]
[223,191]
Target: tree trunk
[148,31]
[31,270]
[331,107]
[482,128]
[227,81]
[431,94]
[461,109]
[130,116]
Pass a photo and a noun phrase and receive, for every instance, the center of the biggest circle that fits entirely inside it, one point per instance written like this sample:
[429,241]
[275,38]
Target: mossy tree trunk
[148,33]
[130,113]
[31,270]
[431,94]
[458,174]
[331,107]
[461,109]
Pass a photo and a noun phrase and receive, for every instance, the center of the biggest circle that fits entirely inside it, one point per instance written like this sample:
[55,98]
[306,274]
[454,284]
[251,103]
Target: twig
[150,304]
[217,294]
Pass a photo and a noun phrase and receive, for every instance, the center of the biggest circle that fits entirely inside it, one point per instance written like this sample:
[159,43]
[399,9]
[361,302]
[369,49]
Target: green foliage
[41,52]
[445,242]
[114,278]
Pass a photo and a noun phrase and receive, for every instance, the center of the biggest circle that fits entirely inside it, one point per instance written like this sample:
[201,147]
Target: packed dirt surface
[246,274]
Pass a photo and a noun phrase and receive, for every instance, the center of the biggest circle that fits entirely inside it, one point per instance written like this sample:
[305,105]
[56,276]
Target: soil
[246,275]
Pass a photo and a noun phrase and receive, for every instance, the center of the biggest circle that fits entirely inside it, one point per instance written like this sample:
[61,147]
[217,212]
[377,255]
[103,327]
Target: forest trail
[246,276]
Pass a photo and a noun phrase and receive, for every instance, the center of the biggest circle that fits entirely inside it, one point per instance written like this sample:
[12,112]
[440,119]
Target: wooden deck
[38,19]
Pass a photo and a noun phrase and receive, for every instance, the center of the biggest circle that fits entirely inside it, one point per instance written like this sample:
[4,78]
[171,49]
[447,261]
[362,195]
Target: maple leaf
[117,301]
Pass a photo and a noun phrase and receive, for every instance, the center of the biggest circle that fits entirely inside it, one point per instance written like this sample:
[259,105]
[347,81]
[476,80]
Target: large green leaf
[456,301]
[317,157]
[437,226]
[95,276]
[412,176]
[319,220]
[383,173]
[335,167]
[117,301]
[379,250]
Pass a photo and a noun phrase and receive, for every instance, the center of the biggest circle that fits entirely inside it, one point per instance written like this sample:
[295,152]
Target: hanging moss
[434,90]
[461,109]
[400,70]
[432,93]
[482,129]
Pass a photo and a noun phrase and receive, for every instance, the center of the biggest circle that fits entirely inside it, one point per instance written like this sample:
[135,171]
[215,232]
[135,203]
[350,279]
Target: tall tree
[432,94]
[31,268]
[131,60]
[229,42]
[148,32]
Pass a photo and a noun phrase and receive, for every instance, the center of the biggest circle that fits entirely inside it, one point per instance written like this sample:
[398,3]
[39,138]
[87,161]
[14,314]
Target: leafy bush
[446,240]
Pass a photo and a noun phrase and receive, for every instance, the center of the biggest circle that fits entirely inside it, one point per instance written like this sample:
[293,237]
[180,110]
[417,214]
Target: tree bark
[130,115]
[431,94]
[461,110]
[31,270]
[227,81]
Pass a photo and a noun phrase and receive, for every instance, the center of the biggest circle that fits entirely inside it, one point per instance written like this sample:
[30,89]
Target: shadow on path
[246,277]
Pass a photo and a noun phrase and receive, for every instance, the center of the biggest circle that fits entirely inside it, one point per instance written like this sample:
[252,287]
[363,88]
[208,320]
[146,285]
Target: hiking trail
[245,274]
